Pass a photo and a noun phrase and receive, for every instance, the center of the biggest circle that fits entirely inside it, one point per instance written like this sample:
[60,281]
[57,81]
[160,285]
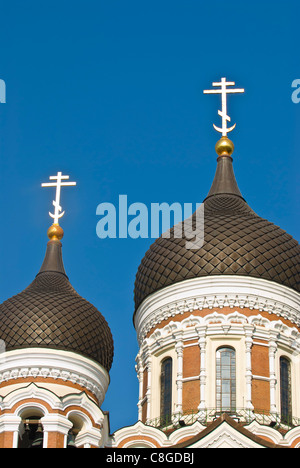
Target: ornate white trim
[223,436]
[216,292]
[234,324]
[35,396]
[235,327]
[140,431]
[56,364]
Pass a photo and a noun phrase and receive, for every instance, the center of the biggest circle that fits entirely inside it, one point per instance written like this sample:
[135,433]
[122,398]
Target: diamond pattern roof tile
[49,313]
[236,242]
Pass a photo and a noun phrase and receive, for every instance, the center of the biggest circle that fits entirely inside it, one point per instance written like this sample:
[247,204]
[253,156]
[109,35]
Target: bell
[38,438]
[71,440]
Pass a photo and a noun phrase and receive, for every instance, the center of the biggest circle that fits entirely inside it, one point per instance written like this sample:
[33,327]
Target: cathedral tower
[54,368]
[218,326]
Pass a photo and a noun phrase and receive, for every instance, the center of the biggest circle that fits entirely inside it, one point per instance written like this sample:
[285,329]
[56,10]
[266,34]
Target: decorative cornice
[139,432]
[67,366]
[216,292]
[150,436]
[35,395]
[216,323]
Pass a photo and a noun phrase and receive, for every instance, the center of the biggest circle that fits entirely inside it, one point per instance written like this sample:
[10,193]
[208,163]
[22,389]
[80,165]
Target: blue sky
[111,93]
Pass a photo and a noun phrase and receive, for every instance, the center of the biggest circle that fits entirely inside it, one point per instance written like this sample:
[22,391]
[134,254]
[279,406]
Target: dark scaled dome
[49,313]
[236,242]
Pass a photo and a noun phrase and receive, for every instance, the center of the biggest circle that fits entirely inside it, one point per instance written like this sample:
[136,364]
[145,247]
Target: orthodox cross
[224,91]
[59,178]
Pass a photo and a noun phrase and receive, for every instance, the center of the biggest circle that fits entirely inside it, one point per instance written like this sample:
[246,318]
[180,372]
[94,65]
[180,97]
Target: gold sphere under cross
[55,232]
[224,147]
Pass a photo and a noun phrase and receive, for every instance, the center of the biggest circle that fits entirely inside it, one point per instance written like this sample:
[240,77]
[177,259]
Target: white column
[54,422]
[179,351]
[273,380]
[149,378]
[248,343]
[202,344]
[140,376]
[11,423]
[90,437]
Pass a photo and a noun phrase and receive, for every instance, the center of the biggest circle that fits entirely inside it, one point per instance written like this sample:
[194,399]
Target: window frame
[226,377]
[166,390]
[285,379]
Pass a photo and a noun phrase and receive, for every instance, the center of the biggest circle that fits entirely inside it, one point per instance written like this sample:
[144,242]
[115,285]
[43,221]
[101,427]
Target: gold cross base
[55,232]
[224,147]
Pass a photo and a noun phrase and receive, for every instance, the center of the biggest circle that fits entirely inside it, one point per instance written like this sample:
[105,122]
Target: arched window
[285,390]
[31,433]
[80,423]
[226,379]
[166,391]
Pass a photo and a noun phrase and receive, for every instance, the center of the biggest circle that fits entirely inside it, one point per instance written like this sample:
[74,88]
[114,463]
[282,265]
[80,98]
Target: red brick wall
[260,388]
[191,368]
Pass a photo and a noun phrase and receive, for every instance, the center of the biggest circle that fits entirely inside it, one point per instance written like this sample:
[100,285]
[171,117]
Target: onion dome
[236,242]
[49,313]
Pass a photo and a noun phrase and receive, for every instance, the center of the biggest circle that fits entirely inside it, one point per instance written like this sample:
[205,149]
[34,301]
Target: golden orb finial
[55,232]
[224,147]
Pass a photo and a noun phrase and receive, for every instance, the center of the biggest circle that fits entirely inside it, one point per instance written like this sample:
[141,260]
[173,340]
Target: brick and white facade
[63,391]
[188,322]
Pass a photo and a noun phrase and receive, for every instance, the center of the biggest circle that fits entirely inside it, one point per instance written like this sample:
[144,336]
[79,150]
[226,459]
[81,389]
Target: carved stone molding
[215,293]
[42,363]
[194,327]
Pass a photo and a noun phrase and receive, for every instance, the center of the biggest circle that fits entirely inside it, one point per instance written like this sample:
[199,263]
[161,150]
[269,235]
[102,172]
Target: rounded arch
[82,428]
[286,358]
[137,444]
[29,395]
[31,431]
[166,358]
[79,420]
[221,347]
[34,408]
